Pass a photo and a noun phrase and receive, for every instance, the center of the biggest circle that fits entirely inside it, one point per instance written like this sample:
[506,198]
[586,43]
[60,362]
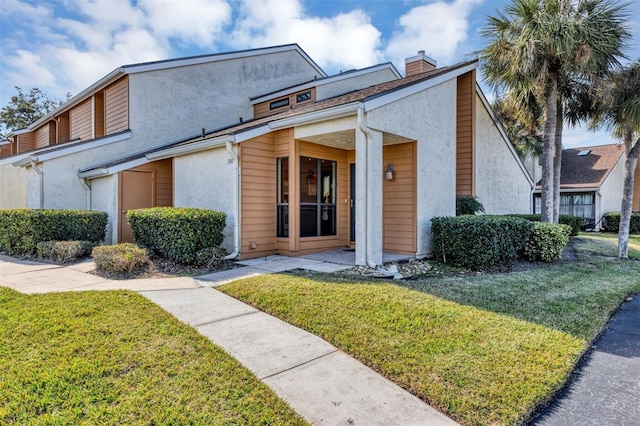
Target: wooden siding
[465,134]
[163,181]
[98,115]
[45,135]
[26,142]
[262,109]
[258,197]
[64,130]
[399,199]
[636,190]
[417,67]
[81,121]
[116,102]
[6,150]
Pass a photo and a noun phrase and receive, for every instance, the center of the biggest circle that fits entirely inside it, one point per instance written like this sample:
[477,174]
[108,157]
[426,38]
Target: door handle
[352,203]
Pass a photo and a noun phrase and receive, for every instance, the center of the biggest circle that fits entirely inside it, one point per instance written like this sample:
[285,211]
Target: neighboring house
[591,183]
[300,163]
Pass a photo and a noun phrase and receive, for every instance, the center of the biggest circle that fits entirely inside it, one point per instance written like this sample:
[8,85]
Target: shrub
[119,258]
[478,242]
[468,204]
[546,241]
[177,233]
[64,251]
[211,257]
[611,222]
[576,223]
[22,229]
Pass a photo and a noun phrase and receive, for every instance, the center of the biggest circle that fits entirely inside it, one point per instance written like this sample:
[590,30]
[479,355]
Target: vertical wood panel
[116,101]
[64,129]
[43,136]
[465,134]
[258,198]
[81,120]
[399,199]
[26,142]
[98,115]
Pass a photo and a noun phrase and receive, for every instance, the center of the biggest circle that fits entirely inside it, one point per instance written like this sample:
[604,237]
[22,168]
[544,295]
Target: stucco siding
[13,193]
[206,180]
[429,118]
[611,191]
[501,184]
[330,90]
[104,197]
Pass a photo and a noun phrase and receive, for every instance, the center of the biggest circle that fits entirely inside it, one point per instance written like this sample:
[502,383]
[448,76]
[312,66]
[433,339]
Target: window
[279,103]
[302,97]
[282,202]
[576,204]
[317,197]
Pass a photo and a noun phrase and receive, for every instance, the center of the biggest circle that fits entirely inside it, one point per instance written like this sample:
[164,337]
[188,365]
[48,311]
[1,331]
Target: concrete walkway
[606,388]
[321,383]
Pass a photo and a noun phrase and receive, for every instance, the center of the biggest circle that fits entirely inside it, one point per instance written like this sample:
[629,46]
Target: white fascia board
[72,149]
[505,138]
[242,136]
[190,148]
[327,80]
[562,190]
[317,116]
[396,95]
[21,131]
[105,171]
[155,66]
[13,159]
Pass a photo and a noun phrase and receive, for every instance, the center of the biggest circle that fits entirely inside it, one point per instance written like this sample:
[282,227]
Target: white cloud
[347,40]
[197,21]
[29,70]
[438,28]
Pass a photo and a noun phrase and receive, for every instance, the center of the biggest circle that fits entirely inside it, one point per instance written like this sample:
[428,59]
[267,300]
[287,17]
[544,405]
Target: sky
[63,46]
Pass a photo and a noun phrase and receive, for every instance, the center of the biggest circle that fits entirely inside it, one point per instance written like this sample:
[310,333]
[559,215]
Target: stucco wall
[611,190]
[206,180]
[176,103]
[501,185]
[429,118]
[104,197]
[329,90]
[13,187]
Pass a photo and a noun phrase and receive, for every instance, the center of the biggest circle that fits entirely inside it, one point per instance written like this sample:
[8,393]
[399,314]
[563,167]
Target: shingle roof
[591,170]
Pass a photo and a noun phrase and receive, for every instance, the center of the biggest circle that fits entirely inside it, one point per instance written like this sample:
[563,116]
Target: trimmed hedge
[611,222]
[576,223]
[22,229]
[120,258]
[64,251]
[480,242]
[546,241]
[177,233]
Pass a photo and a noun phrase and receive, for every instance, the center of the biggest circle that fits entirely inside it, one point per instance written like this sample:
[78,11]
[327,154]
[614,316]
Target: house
[300,161]
[591,182]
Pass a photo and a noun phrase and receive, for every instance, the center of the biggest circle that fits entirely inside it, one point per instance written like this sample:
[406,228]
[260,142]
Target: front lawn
[484,349]
[116,358]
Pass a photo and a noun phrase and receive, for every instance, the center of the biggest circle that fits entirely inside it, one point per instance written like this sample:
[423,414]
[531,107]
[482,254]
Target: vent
[584,152]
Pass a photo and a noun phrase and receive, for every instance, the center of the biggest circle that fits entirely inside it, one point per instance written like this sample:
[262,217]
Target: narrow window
[279,103]
[282,202]
[302,97]
[317,197]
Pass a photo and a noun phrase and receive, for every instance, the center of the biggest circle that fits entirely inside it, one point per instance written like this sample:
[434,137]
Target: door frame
[121,193]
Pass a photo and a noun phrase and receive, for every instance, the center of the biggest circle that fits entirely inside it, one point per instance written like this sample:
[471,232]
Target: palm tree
[619,111]
[539,42]
[521,123]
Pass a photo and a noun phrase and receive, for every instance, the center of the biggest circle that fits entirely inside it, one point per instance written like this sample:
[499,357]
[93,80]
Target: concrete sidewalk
[321,383]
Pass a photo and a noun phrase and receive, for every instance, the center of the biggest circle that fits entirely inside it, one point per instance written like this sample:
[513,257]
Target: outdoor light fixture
[388,174]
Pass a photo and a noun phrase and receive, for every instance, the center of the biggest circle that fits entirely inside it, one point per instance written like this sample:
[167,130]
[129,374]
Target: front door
[352,195]
[136,192]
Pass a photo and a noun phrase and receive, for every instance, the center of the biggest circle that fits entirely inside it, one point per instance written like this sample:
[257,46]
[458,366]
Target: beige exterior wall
[13,193]
[611,191]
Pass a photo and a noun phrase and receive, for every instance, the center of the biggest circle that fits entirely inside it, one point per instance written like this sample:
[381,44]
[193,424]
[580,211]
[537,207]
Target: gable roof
[590,170]
[166,64]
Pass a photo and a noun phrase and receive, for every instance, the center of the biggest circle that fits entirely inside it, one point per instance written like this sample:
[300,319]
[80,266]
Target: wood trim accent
[465,134]
[263,108]
[98,115]
[399,199]
[116,106]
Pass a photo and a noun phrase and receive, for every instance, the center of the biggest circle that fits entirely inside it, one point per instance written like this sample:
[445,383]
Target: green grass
[116,358]
[606,243]
[484,349]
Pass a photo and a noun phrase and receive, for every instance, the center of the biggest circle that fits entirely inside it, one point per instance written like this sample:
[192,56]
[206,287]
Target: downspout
[41,173]
[236,202]
[87,188]
[367,134]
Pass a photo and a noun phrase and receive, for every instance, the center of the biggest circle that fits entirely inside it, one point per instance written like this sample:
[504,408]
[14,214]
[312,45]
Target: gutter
[236,202]
[367,134]
[41,173]
[190,148]
[87,189]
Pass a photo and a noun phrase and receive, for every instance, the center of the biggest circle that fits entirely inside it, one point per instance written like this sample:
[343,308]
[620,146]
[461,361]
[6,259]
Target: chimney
[419,64]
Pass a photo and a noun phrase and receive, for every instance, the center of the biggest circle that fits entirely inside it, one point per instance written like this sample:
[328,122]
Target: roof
[166,64]
[590,170]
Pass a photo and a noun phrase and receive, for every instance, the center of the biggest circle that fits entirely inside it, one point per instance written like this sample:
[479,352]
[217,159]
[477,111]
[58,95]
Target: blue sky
[64,46]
